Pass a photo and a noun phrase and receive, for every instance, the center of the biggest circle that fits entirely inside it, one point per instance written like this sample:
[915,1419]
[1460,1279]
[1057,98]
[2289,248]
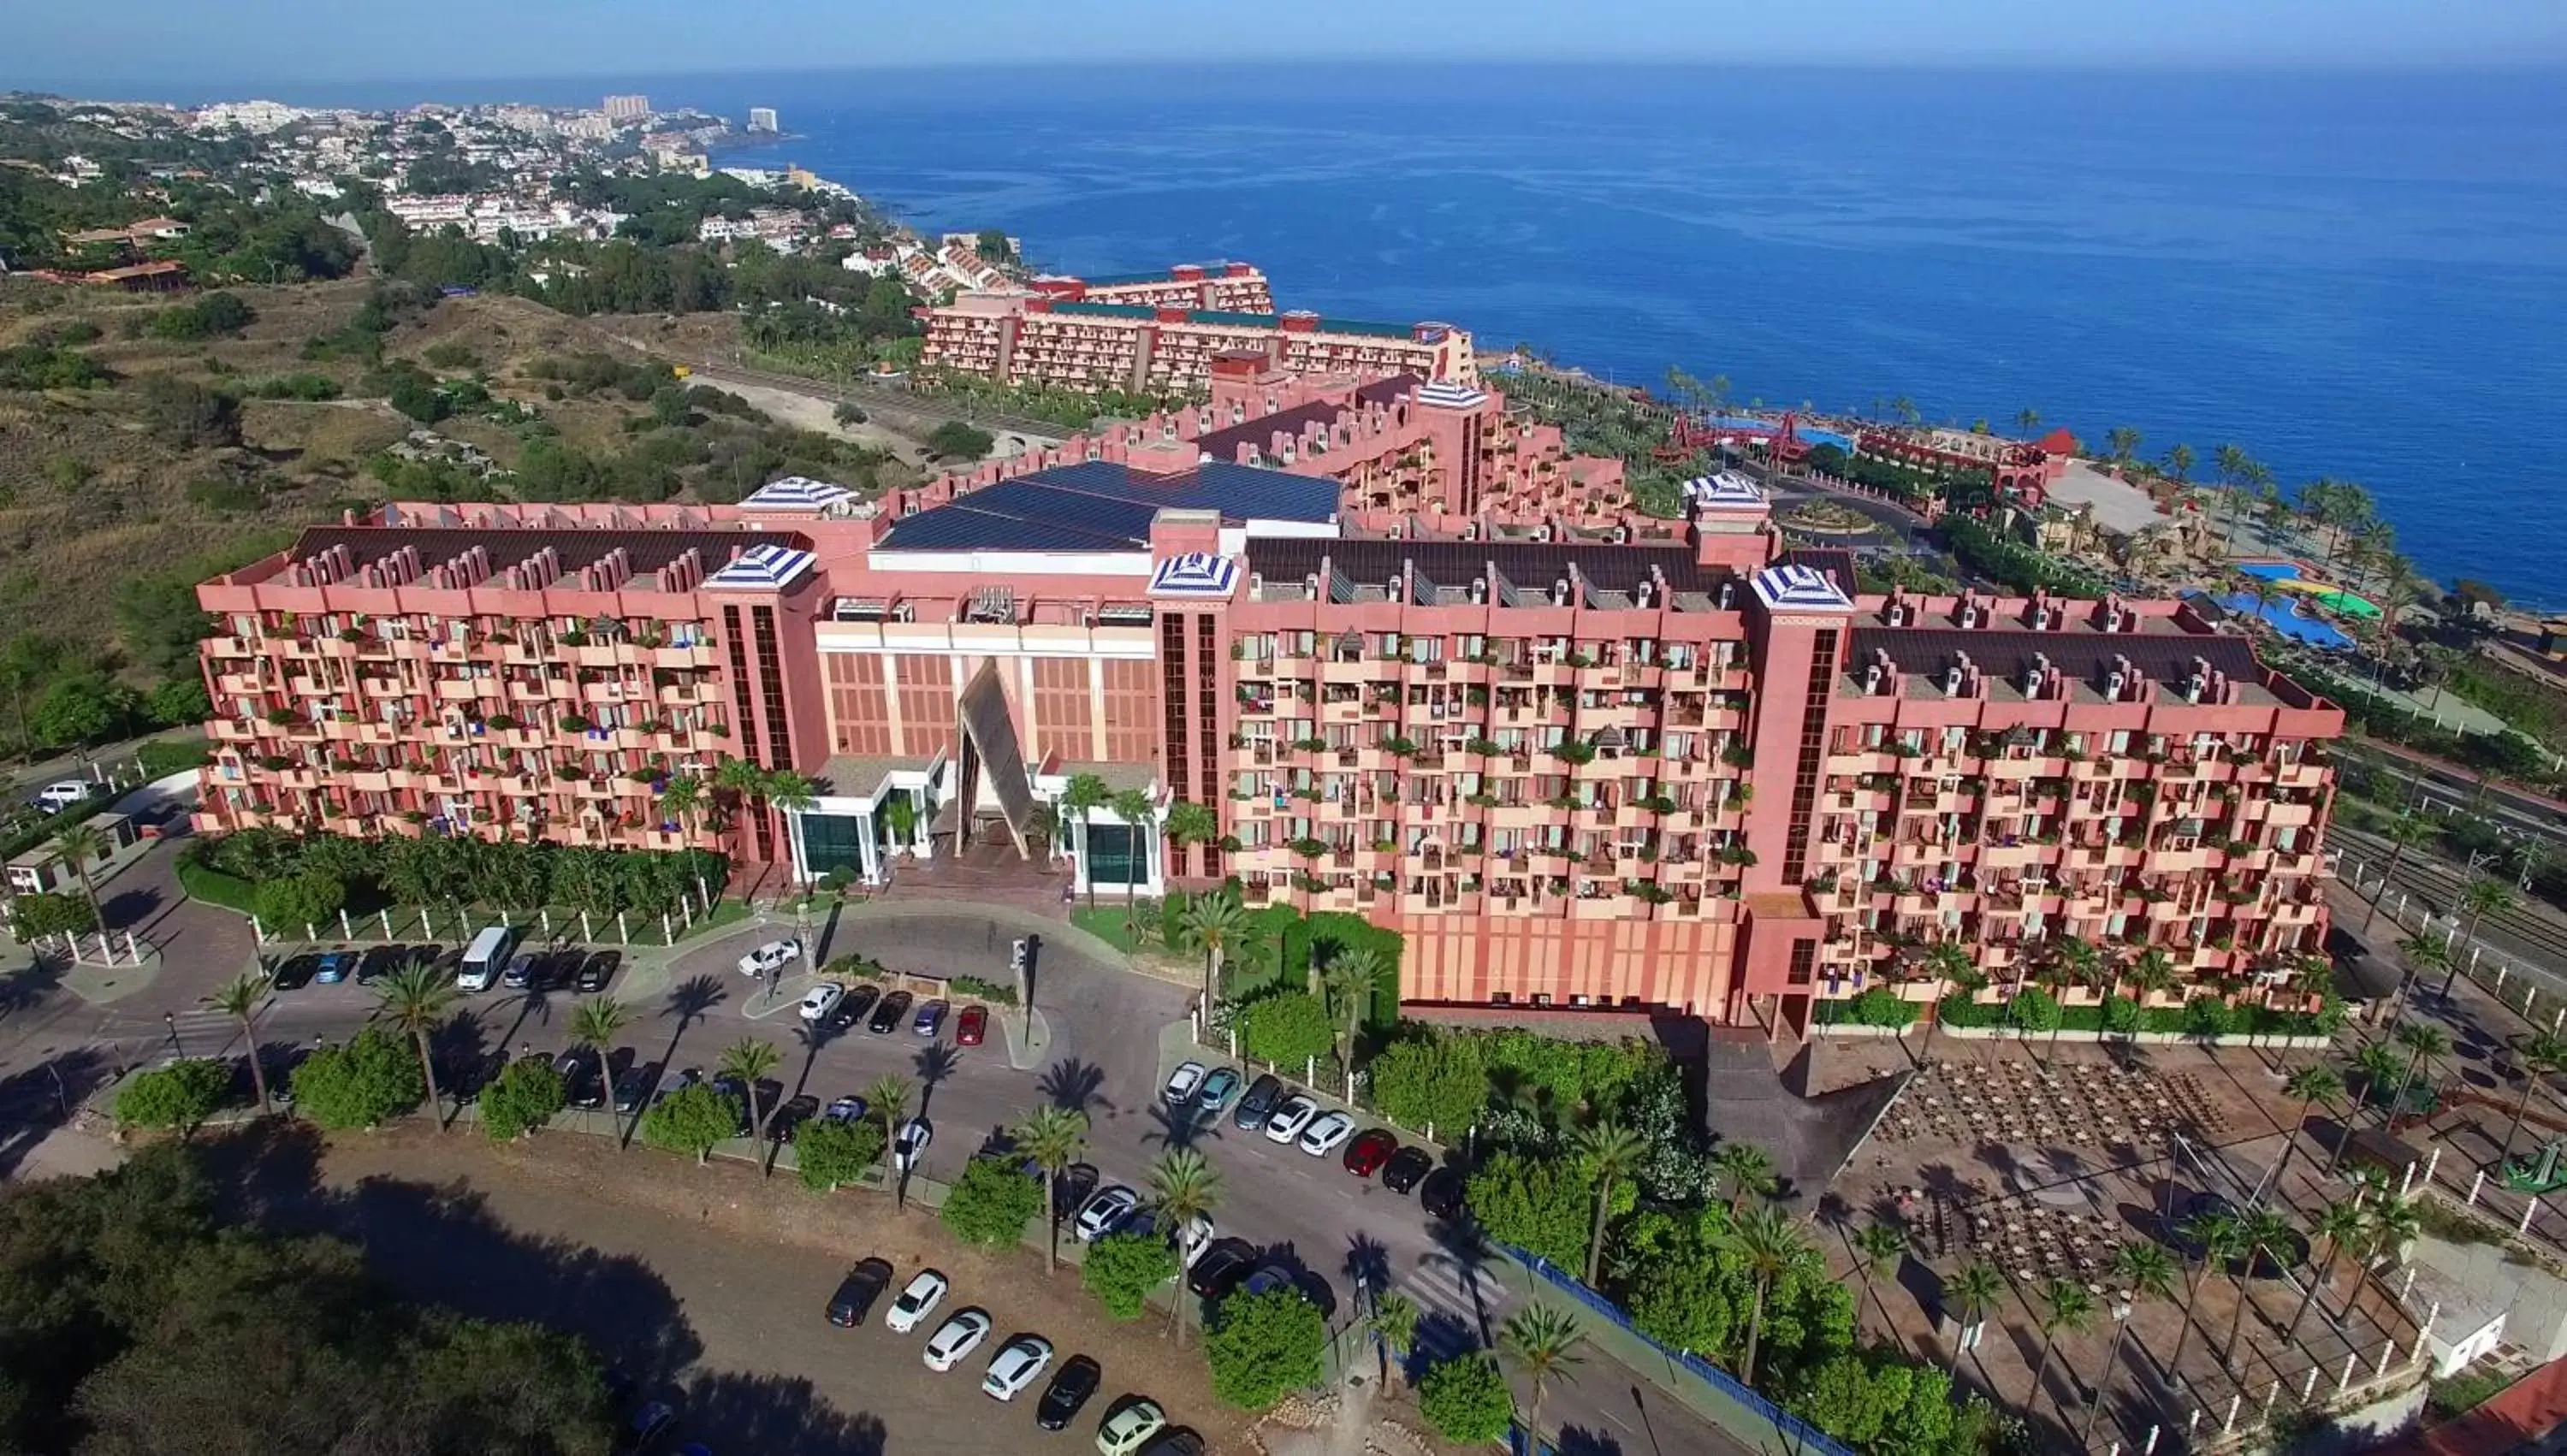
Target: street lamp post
[170,1020]
[2122,1308]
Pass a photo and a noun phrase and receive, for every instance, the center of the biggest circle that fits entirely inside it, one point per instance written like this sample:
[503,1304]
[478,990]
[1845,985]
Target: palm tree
[2380,1067]
[416,1000]
[1542,1343]
[2482,898]
[743,781]
[2425,1043]
[1133,807]
[1186,823]
[239,998]
[2403,832]
[681,796]
[2121,441]
[750,1061]
[2179,460]
[787,792]
[2262,1231]
[888,1096]
[1951,967]
[1747,1170]
[2388,1227]
[1394,1322]
[594,1024]
[2078,962]
[1184,1187]
[1610,1151]
[1083,795]
[1878,1250]
[1972,1290]
[1053,1137]
[2065,1305]
[2540,1054]
[2027,420]
[1216,925]
[2423,955]
[2145,1272]
[2219,1240]
[1348,983]
[2341,1226]
[1769,1246]
[79,847]
[2312,1085]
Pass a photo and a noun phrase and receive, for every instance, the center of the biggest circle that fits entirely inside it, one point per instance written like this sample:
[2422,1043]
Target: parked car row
[1134,1425]
[1296,1120]
[586,971]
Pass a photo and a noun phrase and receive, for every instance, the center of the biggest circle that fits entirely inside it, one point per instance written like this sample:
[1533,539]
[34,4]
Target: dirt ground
[743,1266]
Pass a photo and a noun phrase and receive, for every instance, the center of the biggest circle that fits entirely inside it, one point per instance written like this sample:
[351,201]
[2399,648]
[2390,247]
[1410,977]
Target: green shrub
[830,1154]
[177,1097]
[1288,1028]
[366,1082]
[1122,1270]
[694,1119]
[291,903]
[2035,1009]
[1466,1399]
[527,1094]
[1261,1346]
[1878,1006]
[992,1203]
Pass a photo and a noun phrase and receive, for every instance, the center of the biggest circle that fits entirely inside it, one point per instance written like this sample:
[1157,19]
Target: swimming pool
[1808,434]
[2314,630]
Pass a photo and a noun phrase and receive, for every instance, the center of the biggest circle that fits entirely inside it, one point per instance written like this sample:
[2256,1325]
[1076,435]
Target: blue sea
[2359,276]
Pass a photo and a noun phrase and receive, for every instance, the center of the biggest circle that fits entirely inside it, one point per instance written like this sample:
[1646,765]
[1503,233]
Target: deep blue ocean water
[2357,275]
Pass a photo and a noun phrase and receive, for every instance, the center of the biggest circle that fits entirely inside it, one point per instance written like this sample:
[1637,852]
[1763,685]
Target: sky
[218,46]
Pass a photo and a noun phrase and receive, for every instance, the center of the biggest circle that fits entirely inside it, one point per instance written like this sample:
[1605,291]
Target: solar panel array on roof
[1451,563]
[1098,505]
[2083,656]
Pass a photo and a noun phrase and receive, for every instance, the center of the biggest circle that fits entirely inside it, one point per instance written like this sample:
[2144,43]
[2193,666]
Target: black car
[792,1115]
[850,1011]
[1069,1191]
[1407,1169]
[598,970]
[1258,1104]
[581,1086]
[381,962]
[857,1291]
[888,1016]
[1441,1194]
[635,1086]
[1067,1391]
[1222,1268]
[1175,1441]
[295,971]
[557,970]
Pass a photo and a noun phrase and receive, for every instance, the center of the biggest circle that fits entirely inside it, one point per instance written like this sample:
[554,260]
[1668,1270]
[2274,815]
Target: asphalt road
[1103,1058]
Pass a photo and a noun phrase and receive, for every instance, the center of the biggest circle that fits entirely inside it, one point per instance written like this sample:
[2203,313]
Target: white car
[1016,1365]
[1294,1114]
[1182,1084]
[1321,1137]
[1105,1212]
[955,1339]
[774,956]
[821,1000]
[912,1143]
[916,1302]
[1193,1239]
[1128,1426]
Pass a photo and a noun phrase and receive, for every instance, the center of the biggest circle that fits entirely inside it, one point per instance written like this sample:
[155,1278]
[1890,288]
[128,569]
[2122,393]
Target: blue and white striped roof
[797,492]
[1800,589]
[1194,574]
[1728,490]
[761,568]
[1445,393]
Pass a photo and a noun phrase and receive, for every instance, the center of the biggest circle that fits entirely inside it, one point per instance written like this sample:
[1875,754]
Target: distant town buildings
[260,117]
[623,108]
[762,119]
[1236,287]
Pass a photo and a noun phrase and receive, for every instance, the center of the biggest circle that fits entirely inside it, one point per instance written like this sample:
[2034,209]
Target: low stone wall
[2010,1033]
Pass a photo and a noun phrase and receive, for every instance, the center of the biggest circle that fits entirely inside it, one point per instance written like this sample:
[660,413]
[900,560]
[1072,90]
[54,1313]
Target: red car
[972,1027]
[1369,1150]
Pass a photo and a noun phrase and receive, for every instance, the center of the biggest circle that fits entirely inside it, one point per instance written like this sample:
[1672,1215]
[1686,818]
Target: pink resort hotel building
[1414,657]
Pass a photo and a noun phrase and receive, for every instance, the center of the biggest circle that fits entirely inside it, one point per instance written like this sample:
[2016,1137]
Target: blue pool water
[2315,631]
[2270,570]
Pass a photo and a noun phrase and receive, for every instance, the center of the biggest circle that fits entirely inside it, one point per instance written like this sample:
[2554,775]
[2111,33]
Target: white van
[53,799]
[487,958]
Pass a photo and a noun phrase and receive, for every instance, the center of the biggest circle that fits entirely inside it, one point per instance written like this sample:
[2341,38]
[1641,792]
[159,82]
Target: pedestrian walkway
[1451,1319]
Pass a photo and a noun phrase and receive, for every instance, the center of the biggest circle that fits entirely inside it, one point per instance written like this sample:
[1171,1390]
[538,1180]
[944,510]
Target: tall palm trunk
[428,1069]
[2095,1409]
[1088,851]
[2041,1372]
[2530,1080]
[1596,1232]
[1755,1329]
[2183,1335]
[1052,1227]
[258,1072]
[2325,1272]
[2245,1297]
